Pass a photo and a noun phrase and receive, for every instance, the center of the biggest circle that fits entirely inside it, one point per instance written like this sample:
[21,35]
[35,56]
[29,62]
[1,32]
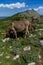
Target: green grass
[18,45]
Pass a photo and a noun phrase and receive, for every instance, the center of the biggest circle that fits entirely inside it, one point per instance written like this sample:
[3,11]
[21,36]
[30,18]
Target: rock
[1,54]
[27,48]
[32,63]
[4,40]
[7,57]
[10,47]
[39,56]
[41,41]
[32,35]
[15,57]
[40,29]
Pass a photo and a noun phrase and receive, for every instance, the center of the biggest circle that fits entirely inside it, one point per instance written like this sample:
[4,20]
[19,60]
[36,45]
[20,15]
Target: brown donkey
[19,26]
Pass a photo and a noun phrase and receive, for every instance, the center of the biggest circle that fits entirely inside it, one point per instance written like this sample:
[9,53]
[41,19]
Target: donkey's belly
[20,28]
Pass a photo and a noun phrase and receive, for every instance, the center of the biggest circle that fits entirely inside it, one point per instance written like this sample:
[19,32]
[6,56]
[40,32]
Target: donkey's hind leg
[15,33]
[26,32]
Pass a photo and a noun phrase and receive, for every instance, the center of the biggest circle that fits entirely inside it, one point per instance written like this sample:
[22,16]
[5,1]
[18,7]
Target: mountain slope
[15,48]
[24,15]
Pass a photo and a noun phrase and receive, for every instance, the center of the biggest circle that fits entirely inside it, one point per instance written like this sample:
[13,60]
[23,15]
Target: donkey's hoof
[17,38]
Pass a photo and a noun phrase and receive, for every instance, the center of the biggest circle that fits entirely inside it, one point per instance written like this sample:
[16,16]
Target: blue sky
[10,7]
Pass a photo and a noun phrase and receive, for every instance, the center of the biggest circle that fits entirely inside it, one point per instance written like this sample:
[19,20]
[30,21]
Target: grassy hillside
[23,15]
[19,16]
[13,47]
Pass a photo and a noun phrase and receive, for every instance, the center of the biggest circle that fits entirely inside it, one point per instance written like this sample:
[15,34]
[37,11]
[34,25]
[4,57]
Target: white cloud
[13,5]
[39,8]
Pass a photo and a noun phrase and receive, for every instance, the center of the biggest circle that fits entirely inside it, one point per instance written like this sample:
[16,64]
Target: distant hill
[25,15]
[3,17]
[28,14]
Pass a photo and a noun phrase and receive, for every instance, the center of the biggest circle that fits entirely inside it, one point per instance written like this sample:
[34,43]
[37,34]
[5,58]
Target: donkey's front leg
[15,33]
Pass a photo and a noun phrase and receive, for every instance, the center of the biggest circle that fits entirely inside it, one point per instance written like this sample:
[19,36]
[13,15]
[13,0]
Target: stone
[10,47]
[7,57]
[39,56]
[32,35]
[41,41]
[32,63]
[4,40]
[1,54]
[40,29]
[15,57]
[27,48]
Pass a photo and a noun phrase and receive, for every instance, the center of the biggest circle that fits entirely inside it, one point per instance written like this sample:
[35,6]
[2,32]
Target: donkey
[18,26]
